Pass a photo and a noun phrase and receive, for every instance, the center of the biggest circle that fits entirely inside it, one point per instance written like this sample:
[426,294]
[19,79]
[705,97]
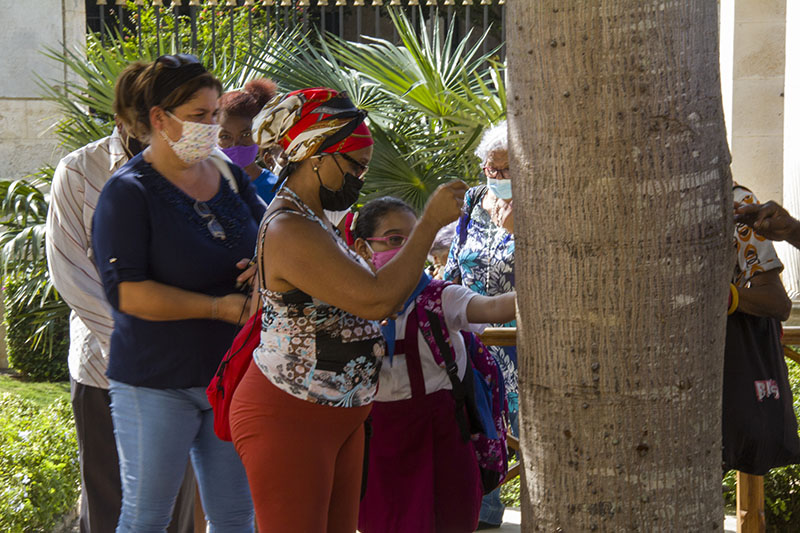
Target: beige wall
[756,108]
[28,28]
[26,141]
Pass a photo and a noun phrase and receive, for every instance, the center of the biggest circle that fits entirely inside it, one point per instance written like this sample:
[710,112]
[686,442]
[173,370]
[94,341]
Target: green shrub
[39,472]
[509,493]
[781,485]
[40,357]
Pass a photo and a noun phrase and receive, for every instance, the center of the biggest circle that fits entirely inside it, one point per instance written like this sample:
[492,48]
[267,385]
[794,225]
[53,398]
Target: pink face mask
[381,258]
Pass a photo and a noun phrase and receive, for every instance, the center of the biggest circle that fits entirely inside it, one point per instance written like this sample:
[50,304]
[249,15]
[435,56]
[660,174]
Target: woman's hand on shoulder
[444,205]
[248,268]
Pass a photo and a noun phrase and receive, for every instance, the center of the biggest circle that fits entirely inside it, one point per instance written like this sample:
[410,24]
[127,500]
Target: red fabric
[348,229]
[422,477]
[310,115]
[230,373]
[303,460]
[413,365]
[360,138]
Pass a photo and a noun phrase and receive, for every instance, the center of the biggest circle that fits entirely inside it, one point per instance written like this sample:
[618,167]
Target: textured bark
[623,206]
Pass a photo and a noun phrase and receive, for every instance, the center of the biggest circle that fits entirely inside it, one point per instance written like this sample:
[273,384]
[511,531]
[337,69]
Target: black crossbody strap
[459,394]
[467,415]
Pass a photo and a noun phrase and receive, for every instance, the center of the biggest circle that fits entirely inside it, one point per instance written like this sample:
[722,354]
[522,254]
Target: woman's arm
[492,309]
[299,253]
[121,235]
[765,296]
[151,300]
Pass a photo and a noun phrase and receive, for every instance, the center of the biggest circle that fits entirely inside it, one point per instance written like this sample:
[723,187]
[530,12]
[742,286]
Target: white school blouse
[393,383]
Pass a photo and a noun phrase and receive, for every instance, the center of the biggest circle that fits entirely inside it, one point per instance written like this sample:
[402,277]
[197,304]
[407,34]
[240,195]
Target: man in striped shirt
[77,182]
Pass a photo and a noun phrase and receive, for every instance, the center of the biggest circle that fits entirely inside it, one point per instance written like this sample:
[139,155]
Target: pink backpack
[481,404]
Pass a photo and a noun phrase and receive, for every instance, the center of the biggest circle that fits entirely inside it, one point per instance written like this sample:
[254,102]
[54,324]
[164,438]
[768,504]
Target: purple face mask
[241,155]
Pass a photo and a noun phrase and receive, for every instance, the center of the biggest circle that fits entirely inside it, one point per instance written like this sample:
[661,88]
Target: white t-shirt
[394,385]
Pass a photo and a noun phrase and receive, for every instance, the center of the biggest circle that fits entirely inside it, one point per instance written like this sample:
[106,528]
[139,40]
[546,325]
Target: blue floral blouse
[482,258]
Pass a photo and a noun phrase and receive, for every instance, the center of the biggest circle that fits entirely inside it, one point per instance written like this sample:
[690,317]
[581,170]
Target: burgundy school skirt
[422,477]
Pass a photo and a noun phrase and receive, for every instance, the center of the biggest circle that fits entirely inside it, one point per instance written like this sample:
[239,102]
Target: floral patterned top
[315,351]
[482,258]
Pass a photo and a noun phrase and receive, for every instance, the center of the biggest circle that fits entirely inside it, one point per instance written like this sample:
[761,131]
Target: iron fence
[349,19]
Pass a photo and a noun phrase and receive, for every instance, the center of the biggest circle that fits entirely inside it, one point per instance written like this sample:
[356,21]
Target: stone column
[791,156]
[26,137]
[755,122]
[26,142]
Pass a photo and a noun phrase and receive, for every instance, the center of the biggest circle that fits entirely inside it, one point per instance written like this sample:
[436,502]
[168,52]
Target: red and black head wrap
[310,122]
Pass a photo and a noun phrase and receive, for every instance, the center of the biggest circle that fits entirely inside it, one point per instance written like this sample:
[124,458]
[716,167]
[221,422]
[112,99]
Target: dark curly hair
[371,212]
[248,102]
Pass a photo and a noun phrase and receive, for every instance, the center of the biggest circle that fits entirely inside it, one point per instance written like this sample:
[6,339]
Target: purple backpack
[481,404]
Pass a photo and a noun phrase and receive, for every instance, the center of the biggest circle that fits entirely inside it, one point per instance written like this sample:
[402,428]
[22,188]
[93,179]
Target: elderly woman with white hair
[482,258]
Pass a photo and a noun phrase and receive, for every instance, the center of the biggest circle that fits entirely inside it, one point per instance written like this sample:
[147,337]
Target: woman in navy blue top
[171,234]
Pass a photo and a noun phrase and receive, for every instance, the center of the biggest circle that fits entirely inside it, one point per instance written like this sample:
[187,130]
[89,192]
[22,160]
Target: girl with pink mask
[422,475]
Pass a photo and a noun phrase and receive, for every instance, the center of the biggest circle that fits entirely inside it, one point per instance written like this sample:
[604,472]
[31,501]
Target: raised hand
[444,205]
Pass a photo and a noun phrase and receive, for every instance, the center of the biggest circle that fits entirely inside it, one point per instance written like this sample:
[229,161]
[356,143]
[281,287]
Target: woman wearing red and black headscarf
[297,416]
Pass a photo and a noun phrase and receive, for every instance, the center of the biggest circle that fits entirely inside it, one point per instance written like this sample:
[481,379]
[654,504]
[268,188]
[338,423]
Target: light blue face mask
[500,188]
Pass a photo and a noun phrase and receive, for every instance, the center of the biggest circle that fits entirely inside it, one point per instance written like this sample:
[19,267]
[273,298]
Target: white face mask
[197,140]
[500,188]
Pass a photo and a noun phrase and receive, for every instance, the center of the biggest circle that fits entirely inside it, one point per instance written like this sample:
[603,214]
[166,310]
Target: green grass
[40,393]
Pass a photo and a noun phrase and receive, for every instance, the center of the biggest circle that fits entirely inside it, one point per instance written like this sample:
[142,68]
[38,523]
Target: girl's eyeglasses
[394,241]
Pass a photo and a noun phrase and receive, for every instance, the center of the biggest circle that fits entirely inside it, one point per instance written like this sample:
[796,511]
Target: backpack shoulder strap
[430,299]
[459,388]
[474,197]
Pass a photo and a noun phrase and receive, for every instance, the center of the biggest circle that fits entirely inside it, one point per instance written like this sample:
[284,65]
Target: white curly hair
[495,138]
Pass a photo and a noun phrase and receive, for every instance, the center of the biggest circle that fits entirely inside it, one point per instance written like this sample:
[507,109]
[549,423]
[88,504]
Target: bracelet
[733,299]
[214,310]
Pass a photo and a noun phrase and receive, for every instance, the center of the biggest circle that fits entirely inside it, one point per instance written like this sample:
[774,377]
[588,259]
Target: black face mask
[344,197]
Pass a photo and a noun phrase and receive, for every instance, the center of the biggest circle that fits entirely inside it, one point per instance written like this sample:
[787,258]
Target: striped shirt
[77,182]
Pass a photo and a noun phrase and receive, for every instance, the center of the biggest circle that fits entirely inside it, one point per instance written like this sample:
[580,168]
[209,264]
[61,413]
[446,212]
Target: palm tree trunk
[623,198]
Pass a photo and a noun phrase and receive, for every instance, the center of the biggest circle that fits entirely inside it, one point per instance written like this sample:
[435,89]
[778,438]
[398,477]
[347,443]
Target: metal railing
[349,19]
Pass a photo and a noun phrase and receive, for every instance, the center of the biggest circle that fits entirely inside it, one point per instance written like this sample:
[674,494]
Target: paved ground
[512,519]
[511,522]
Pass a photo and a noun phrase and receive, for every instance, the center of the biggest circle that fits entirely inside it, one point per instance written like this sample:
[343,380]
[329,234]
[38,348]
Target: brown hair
[135,94]
[123,104]
[248,102]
